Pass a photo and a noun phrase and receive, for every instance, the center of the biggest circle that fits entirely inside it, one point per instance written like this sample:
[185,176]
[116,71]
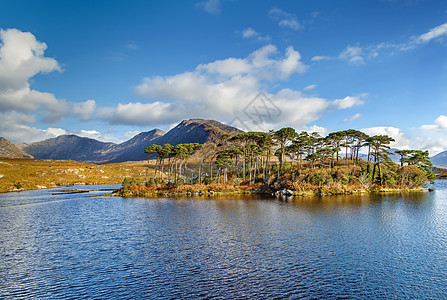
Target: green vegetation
[284,159]
[252,162]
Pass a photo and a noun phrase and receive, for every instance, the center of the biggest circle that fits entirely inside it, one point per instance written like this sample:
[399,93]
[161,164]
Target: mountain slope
[440,159]
[90,150]
[133,149]
[69,147]
[9,150]
[195,131]
[187,131]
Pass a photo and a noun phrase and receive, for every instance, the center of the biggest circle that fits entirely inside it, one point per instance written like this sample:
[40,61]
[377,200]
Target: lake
[73,246]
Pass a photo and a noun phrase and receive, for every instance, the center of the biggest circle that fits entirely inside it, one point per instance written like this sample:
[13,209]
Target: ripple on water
[69,246]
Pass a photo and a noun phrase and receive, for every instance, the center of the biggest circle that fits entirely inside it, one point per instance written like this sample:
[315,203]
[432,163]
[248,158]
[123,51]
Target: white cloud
[285,19]
[440,124]
[225,89]
[21,58]
[228,67]
[401,140]
[139,113]
[14,127]
[357,55]
[432,34]
[349,101]
[353,54]
[221,77]
[322,131]
[352,118]
[310,87]
[320,58]
[93,134]
[250,33]
[290,23]
[84,110]
[210,6]
[433,145]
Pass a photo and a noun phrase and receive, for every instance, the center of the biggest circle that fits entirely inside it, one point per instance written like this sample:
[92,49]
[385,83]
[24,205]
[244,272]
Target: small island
[282,162]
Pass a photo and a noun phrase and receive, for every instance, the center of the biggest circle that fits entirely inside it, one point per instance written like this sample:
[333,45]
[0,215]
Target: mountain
[440,159]
[90,150]
[195,131]
[69,147]
[9,150]
[133,149]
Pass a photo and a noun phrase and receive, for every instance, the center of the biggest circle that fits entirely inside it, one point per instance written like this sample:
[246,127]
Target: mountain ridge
[440,159]
[90,150]
[10,150]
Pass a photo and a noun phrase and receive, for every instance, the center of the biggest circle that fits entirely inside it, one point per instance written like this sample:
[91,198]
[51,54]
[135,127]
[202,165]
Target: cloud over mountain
[222,89]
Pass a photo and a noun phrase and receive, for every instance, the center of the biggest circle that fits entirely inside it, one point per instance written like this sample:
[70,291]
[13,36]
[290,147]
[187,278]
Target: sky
[111,69]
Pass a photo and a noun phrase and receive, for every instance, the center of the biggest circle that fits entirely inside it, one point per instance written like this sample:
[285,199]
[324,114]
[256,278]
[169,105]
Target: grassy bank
[31,174]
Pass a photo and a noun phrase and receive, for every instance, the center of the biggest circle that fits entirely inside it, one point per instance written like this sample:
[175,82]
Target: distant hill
[196,131]
[133,149]
[9,150]
[90,150]
[440,159]
[69,147]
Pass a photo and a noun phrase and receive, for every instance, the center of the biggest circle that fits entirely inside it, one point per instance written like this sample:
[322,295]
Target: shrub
[208,180]
[411,176]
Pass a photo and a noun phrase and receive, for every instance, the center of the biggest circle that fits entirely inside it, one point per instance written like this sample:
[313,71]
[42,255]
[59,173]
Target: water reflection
[358,246]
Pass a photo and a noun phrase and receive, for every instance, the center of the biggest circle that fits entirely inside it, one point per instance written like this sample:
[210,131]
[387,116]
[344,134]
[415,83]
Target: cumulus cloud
[15,128]
[22,56]
[285,19]
[402,141]
[139,113]
[210,6]
[84,110]
[440,124]
[416,141]
[18,127]
[322,131]
[218,82]
[227,88]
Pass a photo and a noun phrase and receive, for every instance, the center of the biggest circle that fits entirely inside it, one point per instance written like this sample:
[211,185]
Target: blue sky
[110,69]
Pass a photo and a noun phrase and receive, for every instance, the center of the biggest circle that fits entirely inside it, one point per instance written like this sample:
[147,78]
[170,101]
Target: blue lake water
[71,246]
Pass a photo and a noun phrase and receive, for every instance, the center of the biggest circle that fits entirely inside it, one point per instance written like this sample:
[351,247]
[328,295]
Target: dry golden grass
[44,173]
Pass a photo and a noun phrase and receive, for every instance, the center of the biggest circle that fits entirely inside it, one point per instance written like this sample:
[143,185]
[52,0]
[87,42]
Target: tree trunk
[201,170]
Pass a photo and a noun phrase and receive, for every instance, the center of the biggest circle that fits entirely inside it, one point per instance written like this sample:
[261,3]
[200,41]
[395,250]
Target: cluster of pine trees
[262,157]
